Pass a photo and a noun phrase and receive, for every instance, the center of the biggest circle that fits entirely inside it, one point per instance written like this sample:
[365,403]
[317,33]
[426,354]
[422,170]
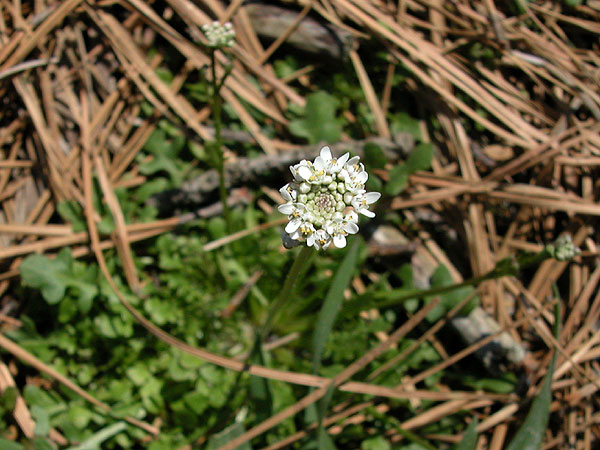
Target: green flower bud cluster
[219,36]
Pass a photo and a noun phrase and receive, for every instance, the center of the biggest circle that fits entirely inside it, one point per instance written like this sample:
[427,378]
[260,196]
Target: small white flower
[361,202]
[326,162]
[324,200]
[321,240]
[219,36]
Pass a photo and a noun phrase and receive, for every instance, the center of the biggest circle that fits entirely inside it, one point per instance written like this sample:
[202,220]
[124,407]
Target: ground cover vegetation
[137,312]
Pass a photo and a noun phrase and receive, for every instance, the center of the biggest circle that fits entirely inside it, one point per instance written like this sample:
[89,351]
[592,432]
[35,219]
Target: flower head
[323,201]
[219,36]
[563,248]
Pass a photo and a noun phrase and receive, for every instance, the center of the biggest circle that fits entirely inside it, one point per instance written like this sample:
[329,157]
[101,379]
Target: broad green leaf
[228,434]
[420,158]
[531,434]
[403,123]
[8,399]
[42,420]
[398,180]
[5,444]
[469,440]
[376,443]
[442,278]
[374,156]
[72,212]
[42,444]
[49,276]
[319,123]
[53,276]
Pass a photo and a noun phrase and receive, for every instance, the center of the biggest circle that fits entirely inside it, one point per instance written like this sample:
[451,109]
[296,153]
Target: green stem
[292,277]
[218,159]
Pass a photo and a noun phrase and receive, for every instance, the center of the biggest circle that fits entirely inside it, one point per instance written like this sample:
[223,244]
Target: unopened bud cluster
[219,36]
[563,248]
[324,200]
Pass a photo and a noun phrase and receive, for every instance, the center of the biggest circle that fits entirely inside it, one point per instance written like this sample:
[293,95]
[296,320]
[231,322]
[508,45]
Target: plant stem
[219,160]
[292,277]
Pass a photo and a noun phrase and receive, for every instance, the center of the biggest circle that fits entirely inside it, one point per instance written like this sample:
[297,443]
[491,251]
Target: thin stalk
[288,285]
[219,160]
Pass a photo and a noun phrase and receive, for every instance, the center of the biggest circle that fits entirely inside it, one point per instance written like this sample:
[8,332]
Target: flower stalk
[218,37]
[217,147]
[291,279]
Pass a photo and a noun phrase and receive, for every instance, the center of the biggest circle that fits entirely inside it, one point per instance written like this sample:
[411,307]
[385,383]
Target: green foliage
[54,276]
[531,433]
[376,443]
[319,123]
[228,434]
[77,325]
[332,304]
[469,440]
[442,278]
[419,159]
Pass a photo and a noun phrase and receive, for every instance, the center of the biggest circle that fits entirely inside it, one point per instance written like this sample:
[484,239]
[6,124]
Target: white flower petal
[352,161]
[361,178]
[366,212]
[286,208]
[339,240]
[351,228]
[343,159]
[326,154]
[372,197]
[293,225]
[285,193]
[303,172]
[320,163]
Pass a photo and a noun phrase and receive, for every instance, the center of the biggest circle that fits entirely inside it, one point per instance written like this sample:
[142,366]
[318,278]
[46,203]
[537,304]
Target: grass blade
[531,434]
[332,304]
[469,440]
[95,441]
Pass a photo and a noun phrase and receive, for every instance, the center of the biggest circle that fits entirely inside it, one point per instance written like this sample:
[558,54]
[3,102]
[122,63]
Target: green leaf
[228,434]
[398,180]
[8,398]
[324,441]
[374,156]
[49,276]
[259,388]
[53,276]
[531,434]
[72,212]
[94,442]
[319,123]
[80,416]
[404,123]
[42,444]
[469,440]
[42,420]
[442,278]
[5,444]
[420,158]
[332,303]
[376,443]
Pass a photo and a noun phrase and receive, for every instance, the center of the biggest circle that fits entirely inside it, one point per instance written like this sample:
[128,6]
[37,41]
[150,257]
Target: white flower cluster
[563,248]
[219,36]
[324,200]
